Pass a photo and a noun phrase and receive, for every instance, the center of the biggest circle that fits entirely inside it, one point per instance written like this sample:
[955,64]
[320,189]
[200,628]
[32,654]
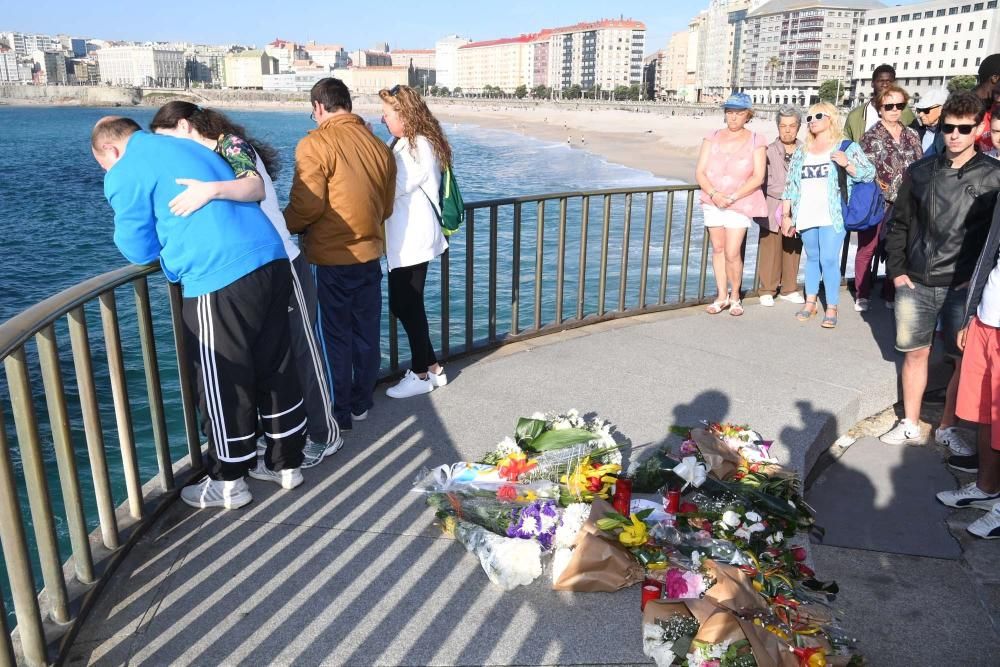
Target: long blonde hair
[836,123]
[418,121]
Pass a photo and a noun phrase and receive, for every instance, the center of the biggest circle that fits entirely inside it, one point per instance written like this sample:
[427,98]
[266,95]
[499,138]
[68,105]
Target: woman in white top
[413,232]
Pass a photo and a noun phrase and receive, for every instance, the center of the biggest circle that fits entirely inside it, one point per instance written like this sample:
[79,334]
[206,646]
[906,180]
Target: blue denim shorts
[917,313]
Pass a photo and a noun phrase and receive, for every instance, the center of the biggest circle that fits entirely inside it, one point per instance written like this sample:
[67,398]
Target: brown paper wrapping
[768,650]
[599,565]
[719,457]
[663,609]
[733,589]
[598,510]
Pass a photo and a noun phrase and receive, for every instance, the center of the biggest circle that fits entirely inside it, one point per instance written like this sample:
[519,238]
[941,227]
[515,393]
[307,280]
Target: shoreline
[665,146]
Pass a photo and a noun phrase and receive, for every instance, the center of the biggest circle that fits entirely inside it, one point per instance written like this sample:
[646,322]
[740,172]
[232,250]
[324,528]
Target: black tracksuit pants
[237,340]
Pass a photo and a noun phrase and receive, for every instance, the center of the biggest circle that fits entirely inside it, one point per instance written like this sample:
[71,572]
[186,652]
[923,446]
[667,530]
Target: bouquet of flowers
[508,562]
[665,639]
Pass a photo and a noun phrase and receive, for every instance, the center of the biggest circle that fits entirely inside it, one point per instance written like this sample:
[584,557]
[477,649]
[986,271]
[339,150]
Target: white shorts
[724,217]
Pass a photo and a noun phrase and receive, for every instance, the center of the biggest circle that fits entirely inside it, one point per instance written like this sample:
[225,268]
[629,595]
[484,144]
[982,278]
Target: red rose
[799,554]
[806,571]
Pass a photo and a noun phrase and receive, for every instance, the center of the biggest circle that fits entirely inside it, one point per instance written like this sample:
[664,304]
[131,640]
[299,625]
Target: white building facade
[446,59]
[330,56]
[144,66]
[9,72]
[927,43]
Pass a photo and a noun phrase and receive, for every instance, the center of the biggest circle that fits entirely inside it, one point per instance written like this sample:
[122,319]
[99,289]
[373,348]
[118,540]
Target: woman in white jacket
[413,232]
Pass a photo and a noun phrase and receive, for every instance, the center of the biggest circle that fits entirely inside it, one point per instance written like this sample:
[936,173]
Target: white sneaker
[359,418]
[904,433]
[954,441]
[410,385]
[969,496]
[767,300]
[794,297]
[213,493]
[315,452]
[286,479]
[861,306]
[438,379]
[988,525]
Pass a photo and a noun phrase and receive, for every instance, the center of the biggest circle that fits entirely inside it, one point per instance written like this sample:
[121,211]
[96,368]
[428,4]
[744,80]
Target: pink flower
[507,492]
[683,584]
[689,447]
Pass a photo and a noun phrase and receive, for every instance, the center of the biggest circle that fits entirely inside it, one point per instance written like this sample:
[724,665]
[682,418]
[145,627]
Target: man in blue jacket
[236,282]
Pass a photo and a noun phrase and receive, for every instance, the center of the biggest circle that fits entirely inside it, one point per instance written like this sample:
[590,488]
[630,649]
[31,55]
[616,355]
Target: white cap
[935,97]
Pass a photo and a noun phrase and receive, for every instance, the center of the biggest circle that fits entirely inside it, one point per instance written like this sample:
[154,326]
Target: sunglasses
[898,106]
[394,90]
[927,110]
[948,128]
[819,116]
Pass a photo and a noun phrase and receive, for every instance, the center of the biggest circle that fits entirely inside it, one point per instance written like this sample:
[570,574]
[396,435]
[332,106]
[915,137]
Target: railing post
[686,252]
[154,391]
[62,440]
[703,271]
[515,273]
[492,322]
[394,344]
[92,426]
[470,254]
[603,275]
[17,562]
[561,261]
[184,376]
[445,304]
[626,230]
[665,257]
[581,289]
[119,395]
[646,231]
[539,262]
[36,482]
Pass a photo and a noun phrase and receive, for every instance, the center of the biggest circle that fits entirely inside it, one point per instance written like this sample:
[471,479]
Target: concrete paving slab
[909,610]
[881,498]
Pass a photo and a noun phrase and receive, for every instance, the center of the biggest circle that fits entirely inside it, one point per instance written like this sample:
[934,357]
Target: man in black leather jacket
[939,225]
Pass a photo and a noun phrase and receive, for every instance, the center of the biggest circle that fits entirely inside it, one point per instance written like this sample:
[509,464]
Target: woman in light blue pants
[823,246]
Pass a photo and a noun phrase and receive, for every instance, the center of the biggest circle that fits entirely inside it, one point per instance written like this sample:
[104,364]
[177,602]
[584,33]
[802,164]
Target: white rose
[753,517]
[756,528]
[731,518]
[742,534]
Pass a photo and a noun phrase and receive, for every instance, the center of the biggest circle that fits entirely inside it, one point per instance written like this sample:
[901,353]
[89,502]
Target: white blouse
[413,233]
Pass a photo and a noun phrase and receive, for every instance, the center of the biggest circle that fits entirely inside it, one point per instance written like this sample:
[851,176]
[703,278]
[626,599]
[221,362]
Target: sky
[402,23]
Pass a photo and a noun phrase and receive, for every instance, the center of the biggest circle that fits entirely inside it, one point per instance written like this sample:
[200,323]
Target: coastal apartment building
[677,68]
[9,72]
[927,43]
[718,46]
[24,44]
[369,58]
[145,66]
[606,53]
[206,66]
[790,47]
[370,80]
[331,56]
[423,59]
[246,69]
[285,53]
[446,59]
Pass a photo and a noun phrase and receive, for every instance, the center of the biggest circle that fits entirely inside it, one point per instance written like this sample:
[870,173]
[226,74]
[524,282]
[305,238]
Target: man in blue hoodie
[236,282]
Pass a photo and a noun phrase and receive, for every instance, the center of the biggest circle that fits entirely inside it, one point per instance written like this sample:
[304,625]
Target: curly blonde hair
[418,121]
[836,124]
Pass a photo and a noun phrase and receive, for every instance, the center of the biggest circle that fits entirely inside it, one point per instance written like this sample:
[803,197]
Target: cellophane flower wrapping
[508,562]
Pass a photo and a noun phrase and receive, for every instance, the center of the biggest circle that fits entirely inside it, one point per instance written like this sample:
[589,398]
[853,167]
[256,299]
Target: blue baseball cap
[737,101]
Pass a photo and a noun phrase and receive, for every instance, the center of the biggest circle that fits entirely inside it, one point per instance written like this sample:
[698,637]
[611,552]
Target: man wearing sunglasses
[929,117]
[862,118]
[939,225]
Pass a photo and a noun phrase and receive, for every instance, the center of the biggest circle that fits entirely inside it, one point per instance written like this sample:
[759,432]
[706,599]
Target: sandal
[717,307]
[829,322]
[805,315]
[736,309]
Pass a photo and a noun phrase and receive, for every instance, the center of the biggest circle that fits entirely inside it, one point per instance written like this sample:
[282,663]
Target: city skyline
[259,24]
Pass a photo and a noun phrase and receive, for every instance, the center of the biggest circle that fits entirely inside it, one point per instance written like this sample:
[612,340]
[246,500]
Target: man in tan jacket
[342,192]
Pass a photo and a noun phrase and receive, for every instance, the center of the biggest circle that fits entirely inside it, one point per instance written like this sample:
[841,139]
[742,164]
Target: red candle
[622,499]
[650,591]
[672,501]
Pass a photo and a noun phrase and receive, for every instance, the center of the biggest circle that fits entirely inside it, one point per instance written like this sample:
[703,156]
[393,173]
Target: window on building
[966,9]
[871,21]
[910,34]
[885,52]
[904,17]
[916,65]
[899,34]
[968,43]
[984,23]
[895,51]
[907,50]
[906,65]
[981,42]
[920,48]
[931,48]
[965,62]
[958,28]
[921,32]
[893,19]
[939,12]
[946,30]
[928,64]
[992,4]
[881,20]
[928,15]
[978,61]
[952,11]
[971,25]
[940,63]
[862,53]
[952,62]
[865,39]
[934,30]
[978,6]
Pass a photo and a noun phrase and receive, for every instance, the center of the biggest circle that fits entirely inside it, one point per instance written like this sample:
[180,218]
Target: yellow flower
[589,481]
[634,535]
[528,496]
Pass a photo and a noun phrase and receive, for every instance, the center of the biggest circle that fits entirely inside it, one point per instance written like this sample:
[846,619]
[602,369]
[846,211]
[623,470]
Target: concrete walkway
[349,568]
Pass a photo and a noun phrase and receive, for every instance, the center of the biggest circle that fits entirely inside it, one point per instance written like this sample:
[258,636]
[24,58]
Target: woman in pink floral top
[730,171]
[891,147]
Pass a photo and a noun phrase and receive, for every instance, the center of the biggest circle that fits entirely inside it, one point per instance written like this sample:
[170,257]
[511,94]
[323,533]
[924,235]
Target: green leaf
[642,514]
[682,431]
[527,430]
[550,440]
[608,524]
[617,517]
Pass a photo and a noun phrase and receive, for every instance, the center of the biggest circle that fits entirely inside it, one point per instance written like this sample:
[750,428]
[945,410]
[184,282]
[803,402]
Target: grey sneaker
[286,479]
[988,525]
[969,495]
[216,493]
[904,433]
[951,438]
[315,452]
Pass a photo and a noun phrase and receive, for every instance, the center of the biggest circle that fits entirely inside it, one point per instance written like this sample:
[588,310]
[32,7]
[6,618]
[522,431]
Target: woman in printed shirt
[891,147]
[255,163]
[812,204]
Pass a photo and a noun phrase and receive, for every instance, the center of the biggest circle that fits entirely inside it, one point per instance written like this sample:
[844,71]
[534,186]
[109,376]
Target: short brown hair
[891,90]
[964,104]
[112,128]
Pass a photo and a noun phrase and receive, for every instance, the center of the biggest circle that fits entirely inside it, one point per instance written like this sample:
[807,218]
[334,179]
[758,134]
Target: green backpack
[449,209]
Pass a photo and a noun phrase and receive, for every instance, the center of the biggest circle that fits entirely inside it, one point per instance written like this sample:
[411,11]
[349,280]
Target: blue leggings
[823,246]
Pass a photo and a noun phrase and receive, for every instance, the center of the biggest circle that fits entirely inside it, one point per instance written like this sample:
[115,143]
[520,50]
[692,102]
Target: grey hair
[788,111]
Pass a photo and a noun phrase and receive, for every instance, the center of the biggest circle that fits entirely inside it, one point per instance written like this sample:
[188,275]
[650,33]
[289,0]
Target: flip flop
[717,307]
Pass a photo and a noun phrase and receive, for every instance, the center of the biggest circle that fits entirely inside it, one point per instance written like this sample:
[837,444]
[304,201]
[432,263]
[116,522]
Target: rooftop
[779,6]
[545,33]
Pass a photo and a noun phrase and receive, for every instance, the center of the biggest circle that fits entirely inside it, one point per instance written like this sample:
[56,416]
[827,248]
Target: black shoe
[964,463]
[345,424]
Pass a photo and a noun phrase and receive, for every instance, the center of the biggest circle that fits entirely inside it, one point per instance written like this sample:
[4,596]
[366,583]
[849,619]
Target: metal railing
[521,267]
